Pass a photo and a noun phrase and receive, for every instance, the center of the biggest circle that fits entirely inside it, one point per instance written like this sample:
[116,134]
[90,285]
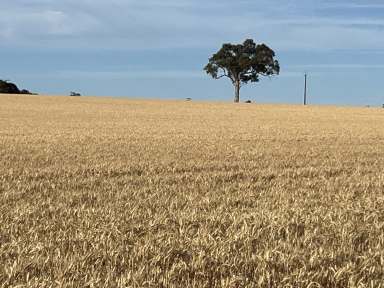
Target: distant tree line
[7,87]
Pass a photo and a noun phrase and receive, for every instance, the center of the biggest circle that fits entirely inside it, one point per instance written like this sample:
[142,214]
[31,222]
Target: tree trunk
[237,92]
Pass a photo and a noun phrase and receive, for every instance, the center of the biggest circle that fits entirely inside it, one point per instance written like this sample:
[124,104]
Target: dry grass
[125,193]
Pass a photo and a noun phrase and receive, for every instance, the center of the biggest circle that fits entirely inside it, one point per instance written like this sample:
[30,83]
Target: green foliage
[243,63]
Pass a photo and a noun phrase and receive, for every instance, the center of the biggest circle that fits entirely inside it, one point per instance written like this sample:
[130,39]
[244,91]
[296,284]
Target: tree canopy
[11,88]
[243,63]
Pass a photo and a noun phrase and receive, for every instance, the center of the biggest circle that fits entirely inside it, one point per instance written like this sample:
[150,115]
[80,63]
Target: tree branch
[221,76]
[225,74]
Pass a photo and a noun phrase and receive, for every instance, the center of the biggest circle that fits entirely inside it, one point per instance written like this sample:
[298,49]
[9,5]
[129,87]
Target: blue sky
[158,48]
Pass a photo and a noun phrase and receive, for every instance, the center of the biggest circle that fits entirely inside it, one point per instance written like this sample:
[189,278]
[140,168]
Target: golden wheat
[98,192]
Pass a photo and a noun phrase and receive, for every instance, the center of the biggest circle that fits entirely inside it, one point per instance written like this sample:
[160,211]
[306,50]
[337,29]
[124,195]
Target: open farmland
[98,192]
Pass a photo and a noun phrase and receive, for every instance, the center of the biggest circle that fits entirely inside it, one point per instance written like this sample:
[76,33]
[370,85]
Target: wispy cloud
[338,66]
[135,24]
[362,4]
[128,74]
[141,74]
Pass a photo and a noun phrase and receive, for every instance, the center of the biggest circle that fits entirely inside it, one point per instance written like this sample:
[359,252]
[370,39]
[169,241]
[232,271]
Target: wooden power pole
[305,89]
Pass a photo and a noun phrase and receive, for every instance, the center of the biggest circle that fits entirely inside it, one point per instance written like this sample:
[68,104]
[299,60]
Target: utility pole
[305,89]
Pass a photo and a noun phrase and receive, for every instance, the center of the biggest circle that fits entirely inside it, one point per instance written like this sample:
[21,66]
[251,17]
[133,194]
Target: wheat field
[103,192]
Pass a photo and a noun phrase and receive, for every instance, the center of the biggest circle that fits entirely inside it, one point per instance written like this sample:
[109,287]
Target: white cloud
[148,24]
[32,24]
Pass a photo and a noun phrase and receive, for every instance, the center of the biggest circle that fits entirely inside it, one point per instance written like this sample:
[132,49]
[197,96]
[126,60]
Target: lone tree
[243,63]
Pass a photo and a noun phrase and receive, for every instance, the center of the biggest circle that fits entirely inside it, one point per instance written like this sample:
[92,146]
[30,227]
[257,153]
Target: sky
[158,48]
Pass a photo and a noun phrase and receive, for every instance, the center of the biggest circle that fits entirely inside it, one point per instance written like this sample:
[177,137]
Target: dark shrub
[8,87]
[24,91]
